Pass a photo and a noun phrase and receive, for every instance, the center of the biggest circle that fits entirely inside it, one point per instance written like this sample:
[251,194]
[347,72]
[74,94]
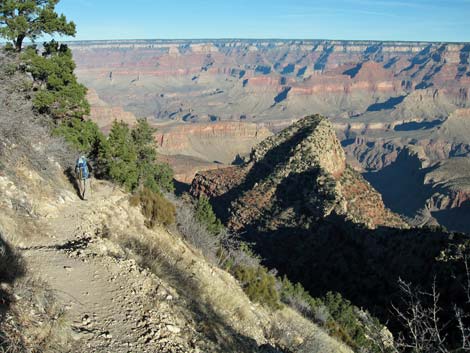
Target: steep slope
[116,305]
[294,179]
[320,223]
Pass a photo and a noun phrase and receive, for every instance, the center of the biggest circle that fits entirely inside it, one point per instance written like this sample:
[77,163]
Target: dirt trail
[111,303]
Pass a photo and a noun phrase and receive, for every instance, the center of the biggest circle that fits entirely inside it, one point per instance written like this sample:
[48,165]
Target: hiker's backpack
[82,165]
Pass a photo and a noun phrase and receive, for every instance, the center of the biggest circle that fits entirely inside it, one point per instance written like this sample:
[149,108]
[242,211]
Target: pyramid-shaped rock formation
[292,180]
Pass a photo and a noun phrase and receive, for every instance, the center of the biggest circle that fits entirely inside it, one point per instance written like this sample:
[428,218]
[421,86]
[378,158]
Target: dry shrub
[34,323]
[224,249]
[194,232]
[155,207]
[259,285]
[11,263]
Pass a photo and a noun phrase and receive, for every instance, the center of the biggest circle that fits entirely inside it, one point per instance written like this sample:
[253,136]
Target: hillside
[90,276]
[320,223]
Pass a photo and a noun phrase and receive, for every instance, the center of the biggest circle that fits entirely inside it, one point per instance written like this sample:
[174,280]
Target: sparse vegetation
[335,314]
[30,320]
[195,232]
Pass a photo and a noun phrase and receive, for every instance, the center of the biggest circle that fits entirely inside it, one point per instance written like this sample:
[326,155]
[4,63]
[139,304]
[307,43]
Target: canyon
[401,110]
[293,180]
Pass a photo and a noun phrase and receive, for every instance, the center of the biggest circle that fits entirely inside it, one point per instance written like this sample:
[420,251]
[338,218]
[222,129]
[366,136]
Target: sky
[412,20]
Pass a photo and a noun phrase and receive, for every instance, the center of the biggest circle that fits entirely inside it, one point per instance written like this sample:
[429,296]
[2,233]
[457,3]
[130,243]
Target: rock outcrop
[294,179]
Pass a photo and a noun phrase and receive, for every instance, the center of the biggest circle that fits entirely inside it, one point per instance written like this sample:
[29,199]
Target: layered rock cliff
[215,142]
[294,179]
[336,78]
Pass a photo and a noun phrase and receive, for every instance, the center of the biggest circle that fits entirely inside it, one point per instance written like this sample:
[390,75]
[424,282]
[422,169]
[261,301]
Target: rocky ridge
[292,180]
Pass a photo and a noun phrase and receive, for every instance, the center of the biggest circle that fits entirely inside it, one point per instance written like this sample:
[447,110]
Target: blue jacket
[82,165]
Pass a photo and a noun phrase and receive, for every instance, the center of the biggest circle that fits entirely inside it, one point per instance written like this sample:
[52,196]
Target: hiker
[82,170]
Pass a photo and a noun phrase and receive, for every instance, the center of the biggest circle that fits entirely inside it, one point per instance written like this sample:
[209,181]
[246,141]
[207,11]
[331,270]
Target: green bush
[155,208]
[259,285]
[206,216]
[123,156]
[344,322]
[10,69]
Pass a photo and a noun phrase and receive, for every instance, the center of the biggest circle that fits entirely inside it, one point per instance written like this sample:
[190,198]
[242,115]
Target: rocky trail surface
[113,305]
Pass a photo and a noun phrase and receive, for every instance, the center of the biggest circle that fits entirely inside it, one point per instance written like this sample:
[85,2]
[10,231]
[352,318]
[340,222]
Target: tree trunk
[19,43]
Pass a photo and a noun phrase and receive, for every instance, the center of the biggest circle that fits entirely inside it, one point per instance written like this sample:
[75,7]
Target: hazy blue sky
[433,20]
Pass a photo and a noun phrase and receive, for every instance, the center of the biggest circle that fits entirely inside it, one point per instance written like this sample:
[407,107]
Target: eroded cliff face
[382,93]
[426,192]
[104,115]
[337,78]
[292,180]
[216,142]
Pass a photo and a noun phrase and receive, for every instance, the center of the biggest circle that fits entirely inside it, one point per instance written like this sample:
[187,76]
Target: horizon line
[72,40]
[265,39]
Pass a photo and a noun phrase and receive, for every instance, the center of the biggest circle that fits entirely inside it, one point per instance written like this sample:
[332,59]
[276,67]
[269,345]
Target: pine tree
[30,19]
[123,156]
[60,94]
[154,176]
[205,214]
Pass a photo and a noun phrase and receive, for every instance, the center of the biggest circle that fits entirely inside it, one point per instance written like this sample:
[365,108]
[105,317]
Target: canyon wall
[213,100]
